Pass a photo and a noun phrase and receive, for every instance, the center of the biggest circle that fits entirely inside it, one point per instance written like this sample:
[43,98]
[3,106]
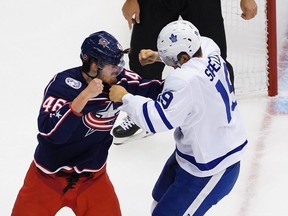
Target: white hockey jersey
[198,101]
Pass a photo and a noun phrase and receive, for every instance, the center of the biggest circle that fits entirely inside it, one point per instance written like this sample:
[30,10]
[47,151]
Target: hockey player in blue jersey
[74,122]
[198,101]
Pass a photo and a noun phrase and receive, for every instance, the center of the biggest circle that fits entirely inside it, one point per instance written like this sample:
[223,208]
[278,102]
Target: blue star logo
[173,38]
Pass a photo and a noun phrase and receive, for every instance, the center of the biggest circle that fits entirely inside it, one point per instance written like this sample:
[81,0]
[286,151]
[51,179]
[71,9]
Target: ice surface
[39,39]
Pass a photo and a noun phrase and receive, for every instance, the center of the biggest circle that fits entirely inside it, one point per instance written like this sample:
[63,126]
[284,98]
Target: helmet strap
[91,77]
[99,70]
[88,65]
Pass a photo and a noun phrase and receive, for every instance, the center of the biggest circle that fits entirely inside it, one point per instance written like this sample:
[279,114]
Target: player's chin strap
[93,77]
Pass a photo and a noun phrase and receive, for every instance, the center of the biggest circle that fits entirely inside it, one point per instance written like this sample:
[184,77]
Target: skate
[128,131]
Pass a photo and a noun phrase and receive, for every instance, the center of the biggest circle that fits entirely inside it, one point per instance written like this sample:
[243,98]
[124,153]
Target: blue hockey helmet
[103,47]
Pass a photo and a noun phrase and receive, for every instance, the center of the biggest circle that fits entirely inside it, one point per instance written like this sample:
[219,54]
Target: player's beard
[109,80]
[113,81]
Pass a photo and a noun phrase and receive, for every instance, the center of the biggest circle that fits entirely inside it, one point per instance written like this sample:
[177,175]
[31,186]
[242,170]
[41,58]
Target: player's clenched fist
[148,56]
[249,9]
[95,87]
[116,93]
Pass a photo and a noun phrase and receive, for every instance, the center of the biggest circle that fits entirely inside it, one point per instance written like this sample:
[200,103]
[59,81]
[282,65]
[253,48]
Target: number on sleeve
[52,104]
[165,99]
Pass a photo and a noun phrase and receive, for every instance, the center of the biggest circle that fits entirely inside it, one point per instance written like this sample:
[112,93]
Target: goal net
[247,48]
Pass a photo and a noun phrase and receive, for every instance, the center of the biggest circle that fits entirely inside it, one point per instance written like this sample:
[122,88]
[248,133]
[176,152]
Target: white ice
[41,38]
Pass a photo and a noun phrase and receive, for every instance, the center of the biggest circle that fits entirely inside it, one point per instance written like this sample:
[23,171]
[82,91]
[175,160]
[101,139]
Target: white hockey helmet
[176,37]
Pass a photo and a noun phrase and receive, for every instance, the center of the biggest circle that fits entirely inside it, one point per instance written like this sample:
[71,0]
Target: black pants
[206,15]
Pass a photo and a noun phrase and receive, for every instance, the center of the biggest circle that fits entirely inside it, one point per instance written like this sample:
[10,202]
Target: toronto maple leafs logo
[103,42]
[173,38]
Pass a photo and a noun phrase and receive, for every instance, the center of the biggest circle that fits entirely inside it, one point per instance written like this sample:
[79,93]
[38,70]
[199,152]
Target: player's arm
[148,56]
[167,112]
[135,84]
[59,117]
[94,88]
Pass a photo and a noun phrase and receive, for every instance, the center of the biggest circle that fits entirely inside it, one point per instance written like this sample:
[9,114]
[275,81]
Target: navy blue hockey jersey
[69,140]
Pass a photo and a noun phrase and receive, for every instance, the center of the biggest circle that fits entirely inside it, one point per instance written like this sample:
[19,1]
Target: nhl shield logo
[73,83]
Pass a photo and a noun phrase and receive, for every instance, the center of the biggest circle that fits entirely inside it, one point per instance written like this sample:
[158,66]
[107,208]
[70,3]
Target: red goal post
[252,47]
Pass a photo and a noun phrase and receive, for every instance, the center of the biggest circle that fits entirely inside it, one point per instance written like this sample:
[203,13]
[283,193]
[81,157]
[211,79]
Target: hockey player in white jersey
[198,101]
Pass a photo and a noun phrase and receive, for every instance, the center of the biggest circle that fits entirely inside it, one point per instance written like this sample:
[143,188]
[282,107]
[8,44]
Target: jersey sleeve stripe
[146,116]
[57,125]
[162,115]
